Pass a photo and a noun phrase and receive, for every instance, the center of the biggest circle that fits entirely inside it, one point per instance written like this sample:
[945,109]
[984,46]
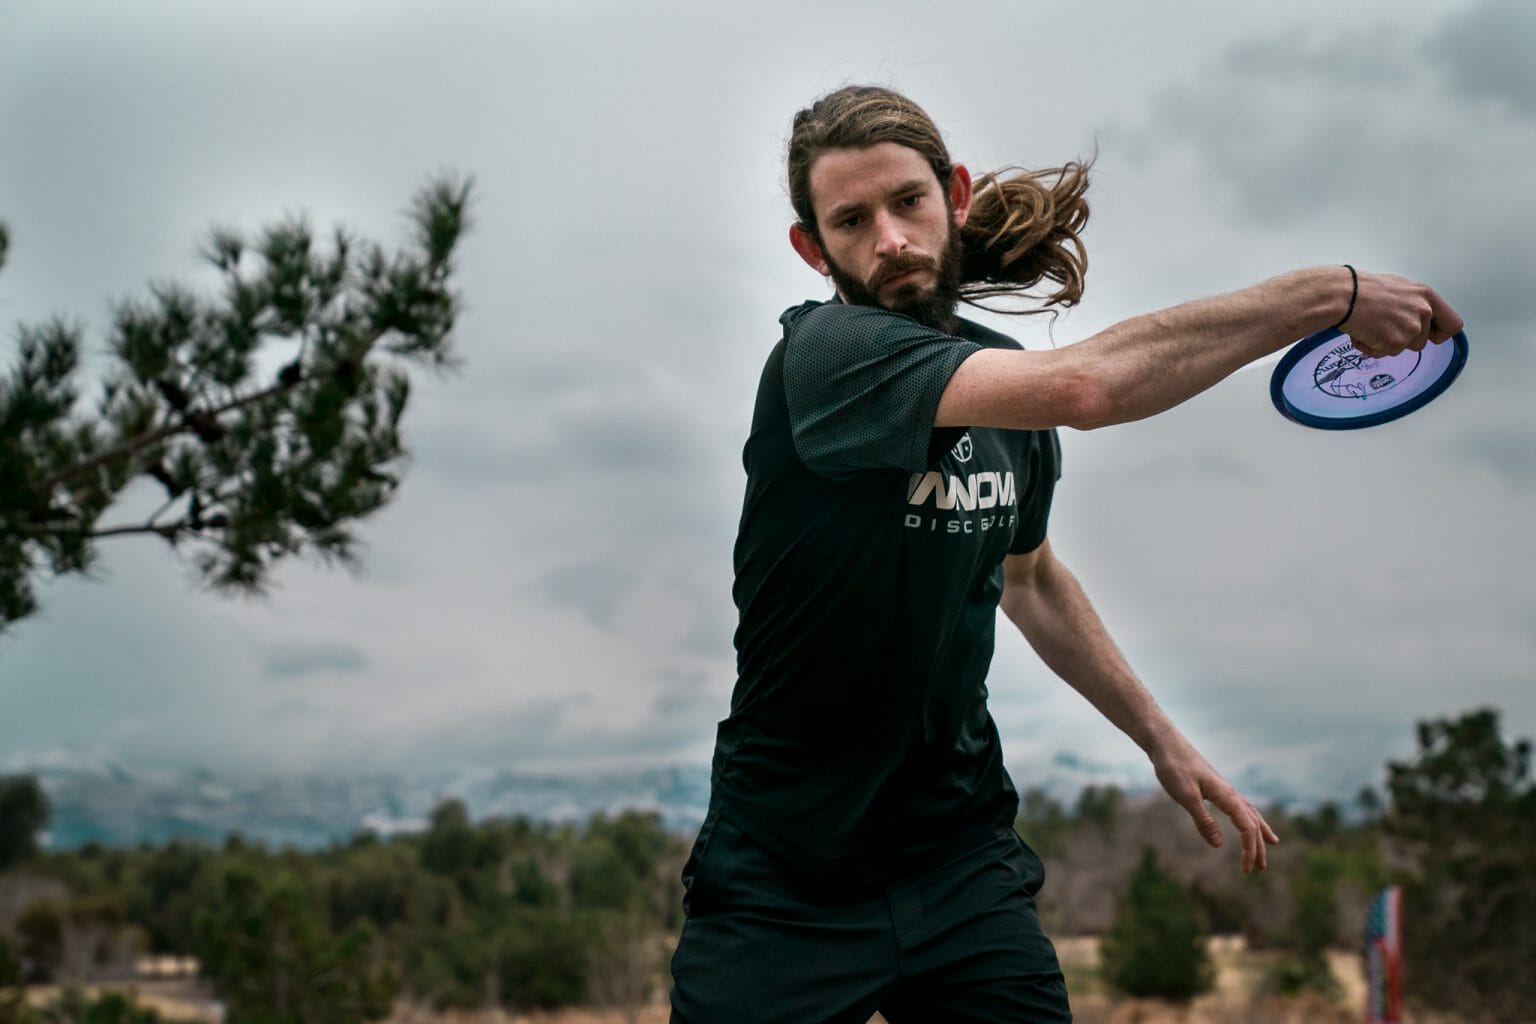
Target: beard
[933,308]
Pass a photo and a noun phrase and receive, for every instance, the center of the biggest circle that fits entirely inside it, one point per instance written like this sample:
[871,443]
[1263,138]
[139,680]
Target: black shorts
[960,942]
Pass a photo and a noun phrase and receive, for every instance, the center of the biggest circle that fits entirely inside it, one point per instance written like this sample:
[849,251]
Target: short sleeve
[862,386]
[1035,501]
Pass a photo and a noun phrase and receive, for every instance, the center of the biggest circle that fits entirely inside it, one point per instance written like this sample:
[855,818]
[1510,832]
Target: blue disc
[1325,382]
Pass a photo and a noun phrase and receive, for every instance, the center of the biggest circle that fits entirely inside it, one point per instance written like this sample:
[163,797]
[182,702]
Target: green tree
[273,962]
[1156,944]
[1304,965]
[10,967]
[41,930]
[448,846]
[1466,809]
[1042,821]
[253,466]
[24,813]
[601,878]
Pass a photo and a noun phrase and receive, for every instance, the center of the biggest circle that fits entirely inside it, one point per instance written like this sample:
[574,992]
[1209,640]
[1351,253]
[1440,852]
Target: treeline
[1456,828]
[521,915]
[504,913]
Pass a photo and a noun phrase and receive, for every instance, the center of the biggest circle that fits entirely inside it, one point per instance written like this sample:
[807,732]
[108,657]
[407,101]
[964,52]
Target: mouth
[900,276]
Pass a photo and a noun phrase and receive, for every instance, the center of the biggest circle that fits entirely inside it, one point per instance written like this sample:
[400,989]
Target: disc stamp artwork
[1325,382]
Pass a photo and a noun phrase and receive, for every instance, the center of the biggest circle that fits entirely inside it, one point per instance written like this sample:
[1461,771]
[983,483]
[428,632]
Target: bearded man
[859,851]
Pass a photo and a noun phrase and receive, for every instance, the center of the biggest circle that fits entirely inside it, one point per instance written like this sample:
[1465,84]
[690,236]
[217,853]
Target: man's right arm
[1148,364]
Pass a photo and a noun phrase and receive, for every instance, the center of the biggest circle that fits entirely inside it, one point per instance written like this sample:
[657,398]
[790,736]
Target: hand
[1394,313]
[1191,781]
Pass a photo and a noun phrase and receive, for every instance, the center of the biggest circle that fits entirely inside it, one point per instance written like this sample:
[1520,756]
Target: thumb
[1206,824]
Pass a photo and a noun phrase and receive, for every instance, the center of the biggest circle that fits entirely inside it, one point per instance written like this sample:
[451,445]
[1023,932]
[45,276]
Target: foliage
[465,915]
[74,1006]
[253,466]
[41,930]
[10,966]
[1303,966]
[1156,946]
[24,813]
[273,962]
[1465,808]
[1042,821]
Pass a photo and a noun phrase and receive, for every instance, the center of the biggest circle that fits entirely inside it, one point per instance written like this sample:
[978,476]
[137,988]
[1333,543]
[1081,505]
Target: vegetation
[24,813]
[526,916]
[1156,946]
[266,421]
[1464,811]
[508,914]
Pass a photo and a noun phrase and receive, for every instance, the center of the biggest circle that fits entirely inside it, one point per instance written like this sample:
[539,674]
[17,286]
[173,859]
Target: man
[859,853]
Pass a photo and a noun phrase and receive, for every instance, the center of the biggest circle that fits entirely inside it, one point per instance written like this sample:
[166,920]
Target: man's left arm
[1044,599]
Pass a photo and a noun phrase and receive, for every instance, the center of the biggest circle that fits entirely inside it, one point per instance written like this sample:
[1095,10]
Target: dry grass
[1238,998]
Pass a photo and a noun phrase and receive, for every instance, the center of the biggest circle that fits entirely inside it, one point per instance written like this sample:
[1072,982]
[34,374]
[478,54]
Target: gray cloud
[1430,173]
[1486,52]
[596,589]
[294,660]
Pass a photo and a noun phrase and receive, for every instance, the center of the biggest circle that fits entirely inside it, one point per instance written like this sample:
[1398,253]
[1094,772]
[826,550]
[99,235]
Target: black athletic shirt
[868,572]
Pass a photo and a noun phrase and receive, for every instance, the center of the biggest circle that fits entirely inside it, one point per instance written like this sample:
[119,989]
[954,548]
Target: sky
[550,591]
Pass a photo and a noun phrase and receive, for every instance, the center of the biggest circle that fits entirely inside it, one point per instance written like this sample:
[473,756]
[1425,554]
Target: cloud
[596,589]
[1356,139]
[292,661]
[1486,52]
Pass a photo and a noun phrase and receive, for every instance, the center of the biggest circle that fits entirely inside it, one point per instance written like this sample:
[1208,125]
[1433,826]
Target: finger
[1444,322]
[1247,821]
[1266,837]
[1426,325]
[1271,837]
[1205,823]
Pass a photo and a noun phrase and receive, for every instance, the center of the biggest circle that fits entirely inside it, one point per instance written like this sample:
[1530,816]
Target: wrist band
[1354,293]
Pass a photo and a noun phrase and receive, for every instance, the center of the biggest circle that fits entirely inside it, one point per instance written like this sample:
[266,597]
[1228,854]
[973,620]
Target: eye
[851,221]
[912,200]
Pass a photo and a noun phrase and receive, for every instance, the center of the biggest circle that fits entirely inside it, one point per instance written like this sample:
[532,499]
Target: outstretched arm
[1046,602]
[1150,363]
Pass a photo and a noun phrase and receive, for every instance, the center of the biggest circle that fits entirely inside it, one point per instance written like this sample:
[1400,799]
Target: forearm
[1048,605]
[1057,619]
[1150,363]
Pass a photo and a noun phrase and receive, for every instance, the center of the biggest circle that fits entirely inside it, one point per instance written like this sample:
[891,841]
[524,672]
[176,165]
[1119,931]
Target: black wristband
[1354,293]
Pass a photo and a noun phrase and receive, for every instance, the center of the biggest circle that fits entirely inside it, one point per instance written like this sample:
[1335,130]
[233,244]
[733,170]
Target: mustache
[899,265]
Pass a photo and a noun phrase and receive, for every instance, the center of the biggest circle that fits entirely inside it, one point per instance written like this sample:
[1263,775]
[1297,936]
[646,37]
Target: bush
[1156,945]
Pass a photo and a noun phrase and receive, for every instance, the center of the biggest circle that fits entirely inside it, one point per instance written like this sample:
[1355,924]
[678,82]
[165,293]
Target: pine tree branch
[185,424]
[170,531]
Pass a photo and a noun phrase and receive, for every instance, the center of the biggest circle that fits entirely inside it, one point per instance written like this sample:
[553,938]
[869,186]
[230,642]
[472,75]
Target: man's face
[889,231]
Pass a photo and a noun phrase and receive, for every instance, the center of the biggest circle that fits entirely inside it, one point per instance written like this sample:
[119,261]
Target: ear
[960,193]
[809,249]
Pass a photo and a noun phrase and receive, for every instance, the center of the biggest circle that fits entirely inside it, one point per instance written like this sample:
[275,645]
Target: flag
[1384,958]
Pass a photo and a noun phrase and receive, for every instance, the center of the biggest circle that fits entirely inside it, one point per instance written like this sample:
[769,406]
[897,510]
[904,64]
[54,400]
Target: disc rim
[1313,342]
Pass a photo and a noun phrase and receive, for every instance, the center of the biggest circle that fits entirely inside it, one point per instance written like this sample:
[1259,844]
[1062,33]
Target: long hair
[1025,227]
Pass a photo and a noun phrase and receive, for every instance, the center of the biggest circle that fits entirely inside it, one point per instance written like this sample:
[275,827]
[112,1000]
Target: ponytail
[1024,230]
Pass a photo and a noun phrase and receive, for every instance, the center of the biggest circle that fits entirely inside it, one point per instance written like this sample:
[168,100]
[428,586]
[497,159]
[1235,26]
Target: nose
[889,238]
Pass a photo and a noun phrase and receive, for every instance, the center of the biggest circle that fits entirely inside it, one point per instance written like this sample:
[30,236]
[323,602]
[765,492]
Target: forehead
[843,177]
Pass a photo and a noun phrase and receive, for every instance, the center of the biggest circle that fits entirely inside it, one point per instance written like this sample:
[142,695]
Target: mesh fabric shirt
[868,572]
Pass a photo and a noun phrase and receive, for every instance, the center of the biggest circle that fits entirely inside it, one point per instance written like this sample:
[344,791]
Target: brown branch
[166,530]
[184,425]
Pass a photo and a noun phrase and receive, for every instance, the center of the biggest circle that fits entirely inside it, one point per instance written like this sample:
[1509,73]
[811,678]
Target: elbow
[1086,403]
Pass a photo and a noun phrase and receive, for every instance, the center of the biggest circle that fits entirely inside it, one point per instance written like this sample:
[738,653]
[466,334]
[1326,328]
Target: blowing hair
[1025,227]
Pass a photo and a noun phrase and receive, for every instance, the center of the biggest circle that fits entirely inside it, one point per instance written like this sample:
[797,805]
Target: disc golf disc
[1325,382]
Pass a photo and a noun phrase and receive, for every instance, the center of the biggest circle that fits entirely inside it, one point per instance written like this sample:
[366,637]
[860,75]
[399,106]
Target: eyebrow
[905,188]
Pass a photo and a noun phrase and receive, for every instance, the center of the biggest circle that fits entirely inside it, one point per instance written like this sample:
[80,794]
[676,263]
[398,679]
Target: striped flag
[1384,958]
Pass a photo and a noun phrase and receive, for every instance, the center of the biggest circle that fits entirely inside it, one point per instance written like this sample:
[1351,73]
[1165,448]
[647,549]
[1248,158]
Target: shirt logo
[963,448]
[970,492]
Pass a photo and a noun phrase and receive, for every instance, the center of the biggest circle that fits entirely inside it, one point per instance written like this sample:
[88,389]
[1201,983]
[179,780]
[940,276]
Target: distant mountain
[117,806]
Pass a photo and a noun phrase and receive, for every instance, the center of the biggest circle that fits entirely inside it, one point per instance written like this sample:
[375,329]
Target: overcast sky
[551,589]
